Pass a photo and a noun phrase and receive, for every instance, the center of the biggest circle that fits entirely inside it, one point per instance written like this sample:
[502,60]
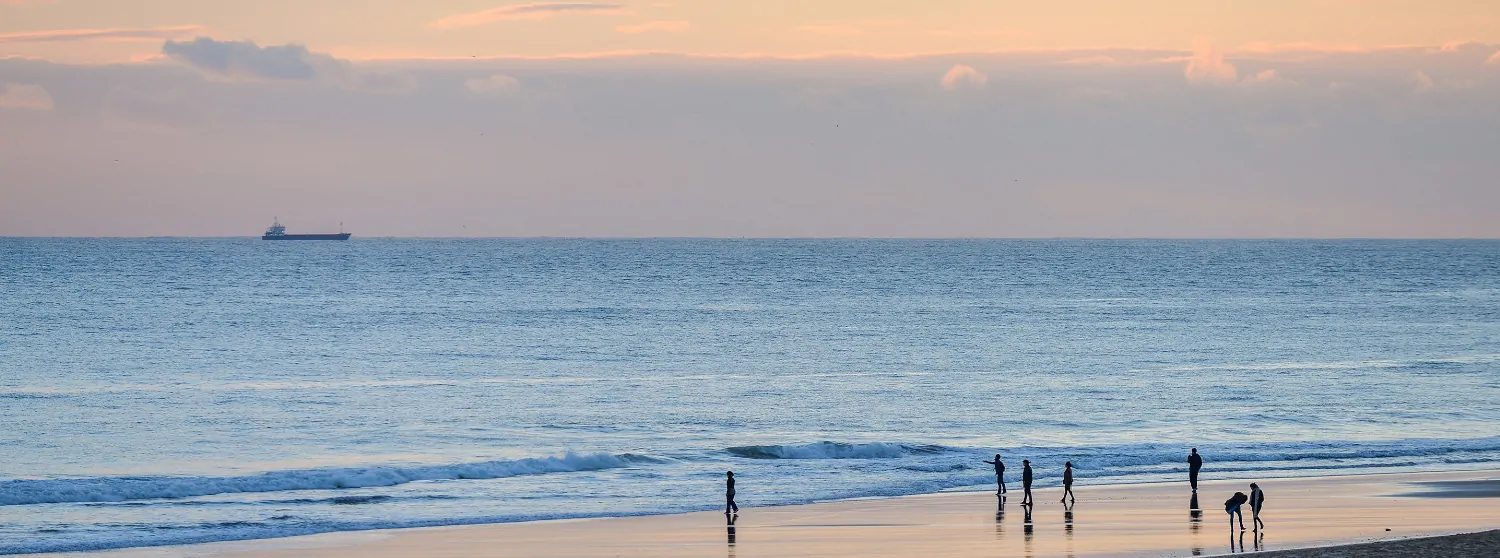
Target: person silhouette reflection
[1195,514]
[1068,520]
[731,519]
[1026,525]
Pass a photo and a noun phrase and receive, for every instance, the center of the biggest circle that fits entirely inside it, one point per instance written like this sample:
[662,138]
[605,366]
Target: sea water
[167,391]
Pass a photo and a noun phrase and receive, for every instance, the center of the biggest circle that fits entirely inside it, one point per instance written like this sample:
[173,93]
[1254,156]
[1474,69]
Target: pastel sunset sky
[939,118]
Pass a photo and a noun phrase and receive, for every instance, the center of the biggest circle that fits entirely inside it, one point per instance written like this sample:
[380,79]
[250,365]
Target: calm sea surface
[171,391]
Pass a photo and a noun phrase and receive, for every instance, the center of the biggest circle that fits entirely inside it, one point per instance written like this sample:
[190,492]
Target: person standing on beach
[1195,462]
[1068,483]
[729,504]
[1232,507]
[999,473]
[1025,481]
[1257,499]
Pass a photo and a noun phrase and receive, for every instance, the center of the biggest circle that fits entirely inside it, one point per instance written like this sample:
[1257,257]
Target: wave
[122,489]
[834,450]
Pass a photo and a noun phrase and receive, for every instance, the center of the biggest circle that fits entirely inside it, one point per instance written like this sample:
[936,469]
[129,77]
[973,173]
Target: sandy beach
[1120,520]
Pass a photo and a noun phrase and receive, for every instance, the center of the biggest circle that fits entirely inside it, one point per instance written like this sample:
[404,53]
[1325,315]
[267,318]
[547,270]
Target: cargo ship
[277,231]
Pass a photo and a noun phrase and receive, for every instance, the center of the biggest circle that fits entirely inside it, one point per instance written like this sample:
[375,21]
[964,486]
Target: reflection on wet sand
[1195,522]
[1027,527]
[731,519]
[1000,519]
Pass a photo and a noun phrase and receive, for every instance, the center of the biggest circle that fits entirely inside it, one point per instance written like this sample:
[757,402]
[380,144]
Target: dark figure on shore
[1232,507]
[1025,482]
[1195,463]
[999,473]
[1257,499]
[729,505]
[1068,483]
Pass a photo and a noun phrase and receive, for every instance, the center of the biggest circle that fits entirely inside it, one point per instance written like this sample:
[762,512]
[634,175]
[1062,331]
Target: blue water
[169,391]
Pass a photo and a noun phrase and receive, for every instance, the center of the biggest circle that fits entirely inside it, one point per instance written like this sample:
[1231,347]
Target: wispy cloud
[21,96]
[836,30]
[1494,58]
[539,10]
[656,26]
[245,60]
[1207,66]
[496,85]
[960,76]
[125,34]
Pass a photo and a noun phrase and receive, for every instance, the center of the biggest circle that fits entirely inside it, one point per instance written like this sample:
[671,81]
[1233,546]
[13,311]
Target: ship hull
[336,236]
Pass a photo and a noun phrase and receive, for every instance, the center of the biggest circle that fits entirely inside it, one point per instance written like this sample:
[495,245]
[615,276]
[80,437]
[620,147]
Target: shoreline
[1141,519]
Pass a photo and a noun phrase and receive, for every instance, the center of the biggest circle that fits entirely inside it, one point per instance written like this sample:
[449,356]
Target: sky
[765,118]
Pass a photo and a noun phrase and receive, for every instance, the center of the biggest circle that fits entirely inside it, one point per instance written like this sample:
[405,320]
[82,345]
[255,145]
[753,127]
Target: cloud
[960,75]
[495,85]
[835,30]
[245,60]
[1494,58]
[127,34]
[654,26]
[539,10]
[1266,77]
[22,96]
[1424,82]
[1207,66]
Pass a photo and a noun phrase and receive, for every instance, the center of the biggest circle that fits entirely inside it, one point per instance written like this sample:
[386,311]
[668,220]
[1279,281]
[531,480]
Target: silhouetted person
[1257,499]
[999,473]
[729,505]
[1232,507]
[1195,463]
[1068,482]
[1025,482]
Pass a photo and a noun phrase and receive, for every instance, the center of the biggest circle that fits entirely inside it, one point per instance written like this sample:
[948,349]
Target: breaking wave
[834,450]
[121,489]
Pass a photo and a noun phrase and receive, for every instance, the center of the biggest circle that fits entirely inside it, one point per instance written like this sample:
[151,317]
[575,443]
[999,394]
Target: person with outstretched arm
[1257,499]
[1232,507]
[1068,483]
[1195,463]
[729,504]
[999,473]
[1025,481]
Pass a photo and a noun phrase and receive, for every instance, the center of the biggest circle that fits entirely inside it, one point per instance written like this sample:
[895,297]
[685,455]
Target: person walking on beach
[1257,499]
[1068,483]
[999,473]
[1195,462]
[1232,507]
[729,504]
[1025,481]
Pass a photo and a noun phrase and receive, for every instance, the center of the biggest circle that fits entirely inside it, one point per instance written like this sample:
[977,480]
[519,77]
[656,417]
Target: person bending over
[1232,507]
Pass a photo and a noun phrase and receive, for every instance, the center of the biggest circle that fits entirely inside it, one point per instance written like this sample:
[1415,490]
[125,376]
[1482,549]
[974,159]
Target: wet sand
[1122,520]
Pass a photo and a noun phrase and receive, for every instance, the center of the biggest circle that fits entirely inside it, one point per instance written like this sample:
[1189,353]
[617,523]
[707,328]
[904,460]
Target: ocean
[164,391]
